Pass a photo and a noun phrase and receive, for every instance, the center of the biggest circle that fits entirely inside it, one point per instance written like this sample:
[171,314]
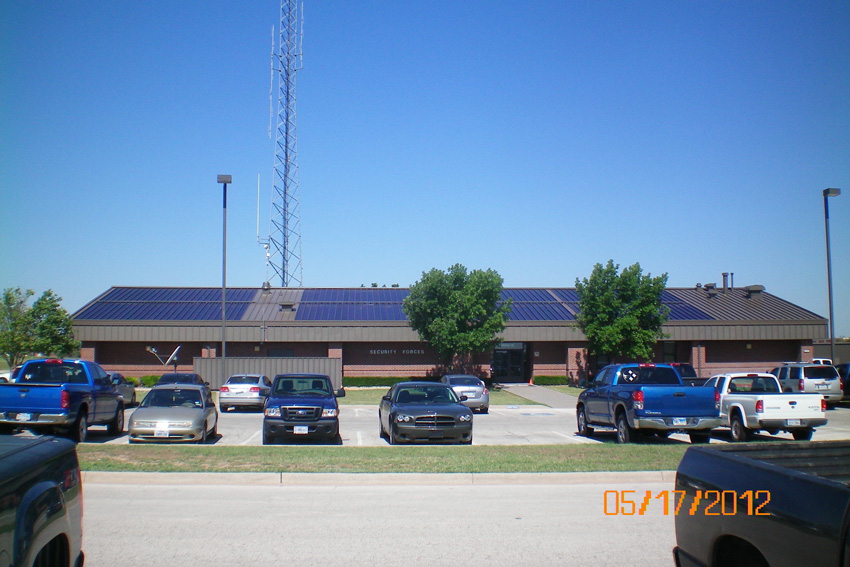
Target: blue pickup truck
[647,398]
[61,396]
[302,406]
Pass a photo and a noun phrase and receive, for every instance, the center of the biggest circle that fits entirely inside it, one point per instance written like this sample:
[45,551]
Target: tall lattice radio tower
[284,253]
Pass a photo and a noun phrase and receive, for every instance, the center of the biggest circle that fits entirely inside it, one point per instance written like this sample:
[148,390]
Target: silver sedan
[476,392]
[175,412]
[244,390]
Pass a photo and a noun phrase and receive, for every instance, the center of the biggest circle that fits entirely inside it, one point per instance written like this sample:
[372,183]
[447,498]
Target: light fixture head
[831,192]
[225,179]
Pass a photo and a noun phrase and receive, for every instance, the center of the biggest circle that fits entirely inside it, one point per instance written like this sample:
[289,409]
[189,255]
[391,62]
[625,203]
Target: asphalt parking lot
[504,425]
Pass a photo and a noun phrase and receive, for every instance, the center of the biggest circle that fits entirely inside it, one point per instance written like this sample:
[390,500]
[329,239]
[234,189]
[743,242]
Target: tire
[803,434]
[6,429]
[116,426]
[467,442]
[267,439]
[80,428]
[699,438]
[625,433]
[214,431]
[203,439]
[133,400]
[391,434]
[581,421]
[222,408]
[485,409]
[738,429]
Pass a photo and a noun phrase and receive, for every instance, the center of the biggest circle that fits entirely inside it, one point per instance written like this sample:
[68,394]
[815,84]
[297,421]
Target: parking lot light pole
[224,180]
[826,194]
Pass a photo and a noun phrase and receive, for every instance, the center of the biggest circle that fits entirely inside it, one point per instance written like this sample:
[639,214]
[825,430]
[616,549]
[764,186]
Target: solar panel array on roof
[533,304]
[524,294]
[566,294]
[356,295]
[168,304]
[340,311]
[682,311]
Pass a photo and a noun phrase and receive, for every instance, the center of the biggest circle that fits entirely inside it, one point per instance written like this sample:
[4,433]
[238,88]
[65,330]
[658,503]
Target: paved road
[357,520]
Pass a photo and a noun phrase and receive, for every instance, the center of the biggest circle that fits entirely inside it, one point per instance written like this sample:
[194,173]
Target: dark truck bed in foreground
[764,504]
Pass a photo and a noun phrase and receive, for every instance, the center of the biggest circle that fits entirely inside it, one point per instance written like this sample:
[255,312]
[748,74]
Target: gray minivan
[810,379]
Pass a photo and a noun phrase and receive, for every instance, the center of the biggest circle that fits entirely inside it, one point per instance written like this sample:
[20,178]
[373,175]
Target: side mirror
[340,393]
[463,398]
[115,381]
[386,398]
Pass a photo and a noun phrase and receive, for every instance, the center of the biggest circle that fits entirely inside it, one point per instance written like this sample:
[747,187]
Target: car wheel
[485,409]
[203,438]
[738,429]
[222,408]
[581,420]
[214,431]
[624,431]
[802,434]
[116,426]
[133,400]
[267,439]
[80,428]
[391,434]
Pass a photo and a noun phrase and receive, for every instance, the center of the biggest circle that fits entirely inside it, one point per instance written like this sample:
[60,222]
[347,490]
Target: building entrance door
[508,363]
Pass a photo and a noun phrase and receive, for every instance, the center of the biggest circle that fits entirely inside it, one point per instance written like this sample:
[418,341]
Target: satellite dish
[173,357]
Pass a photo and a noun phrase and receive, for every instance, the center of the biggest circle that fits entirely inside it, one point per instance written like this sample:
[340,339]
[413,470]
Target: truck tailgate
[679,401]
[30,398]
[785,406]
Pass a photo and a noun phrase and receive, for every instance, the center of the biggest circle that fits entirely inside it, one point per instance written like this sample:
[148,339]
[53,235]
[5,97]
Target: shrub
[551,381]
[148,381]
[365,381]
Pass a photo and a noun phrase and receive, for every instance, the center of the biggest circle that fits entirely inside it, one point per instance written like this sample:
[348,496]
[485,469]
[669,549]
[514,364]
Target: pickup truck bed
[777,505]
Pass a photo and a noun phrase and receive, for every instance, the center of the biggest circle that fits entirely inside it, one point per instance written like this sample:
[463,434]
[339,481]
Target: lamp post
[224,180]
[826,194]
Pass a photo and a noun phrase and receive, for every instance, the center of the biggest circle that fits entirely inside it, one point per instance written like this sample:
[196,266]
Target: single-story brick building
[365,332]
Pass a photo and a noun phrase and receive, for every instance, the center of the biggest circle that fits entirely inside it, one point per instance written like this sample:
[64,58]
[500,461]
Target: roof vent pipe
[725,282]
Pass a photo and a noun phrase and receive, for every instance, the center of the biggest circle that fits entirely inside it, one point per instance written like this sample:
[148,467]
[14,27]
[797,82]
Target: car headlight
[273,412]
[333,412]
[466,417]
[401,418]
[139,423]
[179,424]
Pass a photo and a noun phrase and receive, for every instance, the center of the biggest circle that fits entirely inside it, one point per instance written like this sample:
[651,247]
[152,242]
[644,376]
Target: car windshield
[753,384]
[302,386]
[53,373]
[465,381]
[243,379]
[169,397]
[828,372]
[425,395]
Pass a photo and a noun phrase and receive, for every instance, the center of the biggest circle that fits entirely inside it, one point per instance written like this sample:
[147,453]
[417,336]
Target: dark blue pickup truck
[61,396]
[302,406]
[647,398]
[41,503]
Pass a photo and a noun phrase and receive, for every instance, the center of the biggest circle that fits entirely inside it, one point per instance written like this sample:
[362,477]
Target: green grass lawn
[571,390]
[399,459]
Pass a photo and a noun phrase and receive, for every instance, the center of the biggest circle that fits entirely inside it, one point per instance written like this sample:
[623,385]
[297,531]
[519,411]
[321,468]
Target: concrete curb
[376,479]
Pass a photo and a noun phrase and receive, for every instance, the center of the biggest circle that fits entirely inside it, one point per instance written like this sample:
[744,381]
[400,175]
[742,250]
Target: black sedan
[425,412]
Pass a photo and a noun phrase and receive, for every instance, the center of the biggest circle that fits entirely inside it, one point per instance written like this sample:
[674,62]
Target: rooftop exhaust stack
[725,282]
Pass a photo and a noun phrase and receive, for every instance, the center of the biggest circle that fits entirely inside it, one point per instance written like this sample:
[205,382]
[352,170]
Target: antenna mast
[284,255]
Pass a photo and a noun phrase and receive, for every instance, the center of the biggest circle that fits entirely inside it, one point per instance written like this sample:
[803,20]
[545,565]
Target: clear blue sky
[534,138]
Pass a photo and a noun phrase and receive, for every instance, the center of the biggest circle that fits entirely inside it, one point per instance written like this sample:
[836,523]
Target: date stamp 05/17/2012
[705,502]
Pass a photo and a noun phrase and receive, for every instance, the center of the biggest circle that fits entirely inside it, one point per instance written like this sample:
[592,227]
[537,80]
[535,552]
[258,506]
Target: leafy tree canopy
[44,328]
[621,313]
[458,312]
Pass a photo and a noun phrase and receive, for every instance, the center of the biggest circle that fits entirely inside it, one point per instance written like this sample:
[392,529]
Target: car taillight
[760,406]
[802,385]
[224,389]
[637,397]
[823,404]
[254,389]
[65,400]
[53,361]
[646,365]
[486,391]
[716,400]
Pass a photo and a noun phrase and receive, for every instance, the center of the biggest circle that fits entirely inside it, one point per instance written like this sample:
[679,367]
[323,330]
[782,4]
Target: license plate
[24,417]
[160,433]
[792,422]
[301,430]
[680,421]
[821,387]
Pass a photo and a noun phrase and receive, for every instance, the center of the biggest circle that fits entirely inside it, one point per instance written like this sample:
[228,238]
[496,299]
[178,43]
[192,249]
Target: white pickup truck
[755,401]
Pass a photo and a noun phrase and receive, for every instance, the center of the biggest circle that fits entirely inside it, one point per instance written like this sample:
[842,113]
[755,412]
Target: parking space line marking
[251,438]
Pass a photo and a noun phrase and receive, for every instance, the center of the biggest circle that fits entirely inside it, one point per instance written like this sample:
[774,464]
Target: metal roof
[305,305]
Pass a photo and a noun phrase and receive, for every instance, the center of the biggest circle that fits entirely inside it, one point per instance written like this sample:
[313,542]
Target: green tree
[44,328]
[621,314]
[457,312]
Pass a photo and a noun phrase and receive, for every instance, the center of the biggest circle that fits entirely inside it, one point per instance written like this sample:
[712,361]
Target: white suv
[810,379]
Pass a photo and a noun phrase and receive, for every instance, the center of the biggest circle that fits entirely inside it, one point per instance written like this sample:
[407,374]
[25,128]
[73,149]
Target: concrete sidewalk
[542,395]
